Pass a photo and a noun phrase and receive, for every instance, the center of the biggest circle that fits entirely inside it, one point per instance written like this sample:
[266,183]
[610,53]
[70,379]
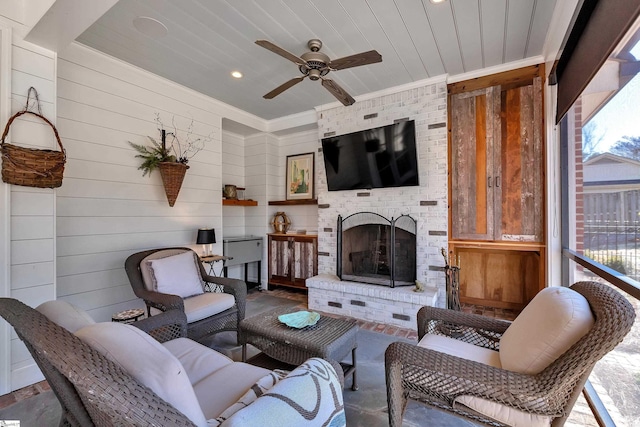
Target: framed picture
[300,176]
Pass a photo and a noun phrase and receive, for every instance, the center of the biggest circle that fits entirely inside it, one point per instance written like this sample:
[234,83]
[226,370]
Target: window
[601,209]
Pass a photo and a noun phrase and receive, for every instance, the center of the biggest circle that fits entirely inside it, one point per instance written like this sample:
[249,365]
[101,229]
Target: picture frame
[300,176]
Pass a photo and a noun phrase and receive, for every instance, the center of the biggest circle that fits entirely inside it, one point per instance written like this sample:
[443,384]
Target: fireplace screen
[374,249]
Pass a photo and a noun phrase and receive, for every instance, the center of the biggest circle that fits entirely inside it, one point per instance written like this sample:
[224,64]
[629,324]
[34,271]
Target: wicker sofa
[526,373]
[95,384]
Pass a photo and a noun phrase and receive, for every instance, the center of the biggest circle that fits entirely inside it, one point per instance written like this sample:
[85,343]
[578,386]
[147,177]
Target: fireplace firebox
[374,249]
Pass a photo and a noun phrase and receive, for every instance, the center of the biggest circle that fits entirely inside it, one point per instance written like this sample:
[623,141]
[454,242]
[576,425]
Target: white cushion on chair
[549,325]
[505,414]
[66,315]
[147,361]
[145,266]
[207,304]
[199,361]
[497,411]
[461,349]
[177,275]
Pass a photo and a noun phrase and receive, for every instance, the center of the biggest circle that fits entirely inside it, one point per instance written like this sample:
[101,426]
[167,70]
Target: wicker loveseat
[94,388]
[225,315]
[526,373]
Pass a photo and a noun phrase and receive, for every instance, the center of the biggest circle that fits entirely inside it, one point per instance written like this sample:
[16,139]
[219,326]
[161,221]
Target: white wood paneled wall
[31,210]
[106,209]
[233,170]
[303,217]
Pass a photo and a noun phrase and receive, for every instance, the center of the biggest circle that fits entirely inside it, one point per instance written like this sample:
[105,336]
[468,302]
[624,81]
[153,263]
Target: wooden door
[475,132]
[305,259]
[280,272]
[520,212]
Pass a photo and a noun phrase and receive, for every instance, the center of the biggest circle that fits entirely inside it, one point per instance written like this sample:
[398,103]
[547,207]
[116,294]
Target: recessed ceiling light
[150,27]
[236,74]
[437,1]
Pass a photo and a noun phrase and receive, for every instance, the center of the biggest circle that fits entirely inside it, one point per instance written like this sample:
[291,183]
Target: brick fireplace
[426,203]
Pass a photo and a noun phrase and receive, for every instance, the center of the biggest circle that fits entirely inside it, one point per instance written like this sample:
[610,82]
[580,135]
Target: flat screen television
[373,158]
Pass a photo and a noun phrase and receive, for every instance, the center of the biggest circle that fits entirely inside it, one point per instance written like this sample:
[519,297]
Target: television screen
[373,158]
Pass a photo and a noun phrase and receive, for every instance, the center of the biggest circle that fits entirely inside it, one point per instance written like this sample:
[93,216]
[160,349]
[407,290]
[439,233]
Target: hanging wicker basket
[172,177]
[32,167]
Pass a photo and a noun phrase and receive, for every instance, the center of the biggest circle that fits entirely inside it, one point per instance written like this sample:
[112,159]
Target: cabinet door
[280,260]
[305,259]
[520,213]
[497,160]
[474,119]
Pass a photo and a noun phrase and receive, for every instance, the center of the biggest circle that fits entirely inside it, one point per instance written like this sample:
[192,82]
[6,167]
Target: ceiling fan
[316,65]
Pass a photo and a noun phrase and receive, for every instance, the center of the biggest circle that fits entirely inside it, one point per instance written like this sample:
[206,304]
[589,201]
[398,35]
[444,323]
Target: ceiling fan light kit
[316,65]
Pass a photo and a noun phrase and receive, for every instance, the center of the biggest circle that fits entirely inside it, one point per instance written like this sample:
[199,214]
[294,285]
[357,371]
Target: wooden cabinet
[497,186]
[497,159]
[292,259]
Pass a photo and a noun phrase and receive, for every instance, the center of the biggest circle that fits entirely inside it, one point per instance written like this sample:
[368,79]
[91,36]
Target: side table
[212,259]
[330,338]
[128,316]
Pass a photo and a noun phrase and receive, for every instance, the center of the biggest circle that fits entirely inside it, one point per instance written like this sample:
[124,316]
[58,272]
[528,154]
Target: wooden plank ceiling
[207,39]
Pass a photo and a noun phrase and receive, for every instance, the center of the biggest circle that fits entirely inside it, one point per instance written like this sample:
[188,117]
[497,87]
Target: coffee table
[330,338]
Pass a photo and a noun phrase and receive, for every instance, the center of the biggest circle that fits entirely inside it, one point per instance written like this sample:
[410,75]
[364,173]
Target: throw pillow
[177,275]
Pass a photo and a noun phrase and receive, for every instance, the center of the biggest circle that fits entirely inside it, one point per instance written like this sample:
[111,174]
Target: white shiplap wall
[31,211]
[303,217]
[106,210]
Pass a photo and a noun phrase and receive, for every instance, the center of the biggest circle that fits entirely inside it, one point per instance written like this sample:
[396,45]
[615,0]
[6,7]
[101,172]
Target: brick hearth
[373,303]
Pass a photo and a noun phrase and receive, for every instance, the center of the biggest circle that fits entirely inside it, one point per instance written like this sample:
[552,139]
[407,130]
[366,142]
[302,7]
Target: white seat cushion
[207,304]
[461,349]
[505,414]
[177,275]
[225,386]
[66,315]
[549,325]
[147,361]
[199,361]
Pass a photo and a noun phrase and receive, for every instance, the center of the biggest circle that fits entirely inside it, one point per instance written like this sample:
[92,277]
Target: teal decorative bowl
[299,319]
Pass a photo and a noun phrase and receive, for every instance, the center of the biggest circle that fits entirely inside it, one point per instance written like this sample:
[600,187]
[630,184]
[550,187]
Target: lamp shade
[206,236]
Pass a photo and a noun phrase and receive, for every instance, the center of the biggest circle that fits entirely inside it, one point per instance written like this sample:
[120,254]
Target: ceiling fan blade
[277,91]
[338,92]
[356,60]
[280,51]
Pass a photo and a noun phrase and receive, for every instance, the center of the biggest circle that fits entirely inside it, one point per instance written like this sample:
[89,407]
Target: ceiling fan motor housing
[316,65]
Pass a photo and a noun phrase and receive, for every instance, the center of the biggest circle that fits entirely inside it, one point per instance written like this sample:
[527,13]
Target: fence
[616,245]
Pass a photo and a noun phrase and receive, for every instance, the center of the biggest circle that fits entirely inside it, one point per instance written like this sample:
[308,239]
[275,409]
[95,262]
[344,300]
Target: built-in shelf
[293,202]
[230,202]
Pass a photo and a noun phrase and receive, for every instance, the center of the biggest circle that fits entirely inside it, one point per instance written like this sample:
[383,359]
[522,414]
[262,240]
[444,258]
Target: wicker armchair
[92,389]
[227,320]
[437,379]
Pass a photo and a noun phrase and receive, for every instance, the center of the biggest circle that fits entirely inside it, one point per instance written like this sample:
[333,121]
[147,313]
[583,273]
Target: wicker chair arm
[165,326]
[339,371]
[162,302]
[441,321]
[235,287]
[429,372]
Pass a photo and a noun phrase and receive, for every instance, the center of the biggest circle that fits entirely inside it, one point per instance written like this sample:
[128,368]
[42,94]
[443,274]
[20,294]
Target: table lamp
[206,238]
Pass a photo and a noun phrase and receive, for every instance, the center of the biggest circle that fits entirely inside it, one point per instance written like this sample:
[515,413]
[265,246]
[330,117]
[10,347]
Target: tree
[590,140]
[628,146]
